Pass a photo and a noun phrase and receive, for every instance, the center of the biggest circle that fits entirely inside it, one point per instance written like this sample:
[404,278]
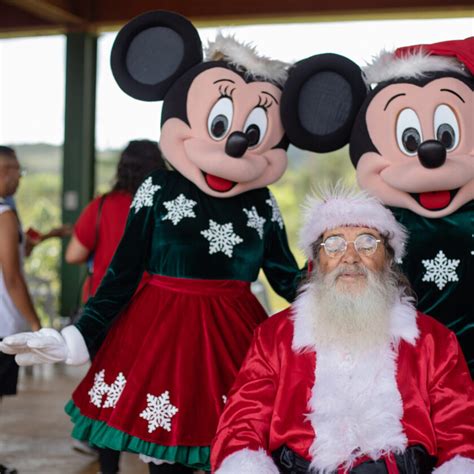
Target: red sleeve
[84,228]
[451,393]
[245,422]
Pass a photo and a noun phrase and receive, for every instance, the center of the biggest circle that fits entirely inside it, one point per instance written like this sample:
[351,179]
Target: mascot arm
[279,264]
[127,266]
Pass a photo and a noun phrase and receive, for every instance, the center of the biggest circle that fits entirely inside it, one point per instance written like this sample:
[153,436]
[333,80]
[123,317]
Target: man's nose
[351,255]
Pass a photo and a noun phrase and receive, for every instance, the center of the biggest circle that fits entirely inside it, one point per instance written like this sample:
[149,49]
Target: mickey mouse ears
[320,101]
[152,51]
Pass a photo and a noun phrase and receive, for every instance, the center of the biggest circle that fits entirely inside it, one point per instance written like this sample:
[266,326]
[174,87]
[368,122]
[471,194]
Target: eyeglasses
[365,244]
[21,171]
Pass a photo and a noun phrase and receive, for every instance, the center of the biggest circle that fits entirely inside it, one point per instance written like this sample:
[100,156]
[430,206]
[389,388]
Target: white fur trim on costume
[403,321]
[356,407]
[303,312]
[244,56]
[76,346]
[343,206]
[456,465]
[249,462]
[388,67]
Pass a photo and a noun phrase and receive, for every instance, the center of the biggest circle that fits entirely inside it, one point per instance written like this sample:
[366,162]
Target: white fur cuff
[456,465]
[248,462]
[77,353]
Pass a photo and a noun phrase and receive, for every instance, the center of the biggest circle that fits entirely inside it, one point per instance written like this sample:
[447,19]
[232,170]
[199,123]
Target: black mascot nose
[432,154]
[237,144]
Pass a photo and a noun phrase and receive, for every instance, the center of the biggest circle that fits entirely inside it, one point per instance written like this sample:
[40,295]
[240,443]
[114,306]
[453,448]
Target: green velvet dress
[179,341]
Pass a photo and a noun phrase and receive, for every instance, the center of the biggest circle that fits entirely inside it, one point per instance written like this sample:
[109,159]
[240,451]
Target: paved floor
[34,430]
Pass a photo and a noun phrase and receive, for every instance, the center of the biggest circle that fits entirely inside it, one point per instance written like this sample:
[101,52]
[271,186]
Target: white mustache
[354,269]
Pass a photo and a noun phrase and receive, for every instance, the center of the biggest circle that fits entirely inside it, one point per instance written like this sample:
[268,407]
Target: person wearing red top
[98,231]
[113,208]
[100,226]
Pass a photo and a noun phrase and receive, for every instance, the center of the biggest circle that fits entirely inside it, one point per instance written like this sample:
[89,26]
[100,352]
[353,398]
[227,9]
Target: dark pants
[8,374]
[169,469]
[109,464]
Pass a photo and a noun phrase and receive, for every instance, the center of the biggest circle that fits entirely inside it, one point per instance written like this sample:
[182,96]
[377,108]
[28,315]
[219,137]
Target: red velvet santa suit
[331,408]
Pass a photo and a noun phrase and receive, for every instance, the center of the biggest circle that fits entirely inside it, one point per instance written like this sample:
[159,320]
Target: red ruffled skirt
[168,362]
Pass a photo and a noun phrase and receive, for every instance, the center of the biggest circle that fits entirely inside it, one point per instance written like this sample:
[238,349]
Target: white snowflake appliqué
[221,238]
[276,214]
[440,270]
[159,412]
[179,208]
[144,195]
[99,389]
[115,390]
[255,221]
[224,399]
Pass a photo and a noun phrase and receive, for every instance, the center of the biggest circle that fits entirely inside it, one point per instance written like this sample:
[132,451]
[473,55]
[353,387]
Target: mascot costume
[203,231]
[412,146]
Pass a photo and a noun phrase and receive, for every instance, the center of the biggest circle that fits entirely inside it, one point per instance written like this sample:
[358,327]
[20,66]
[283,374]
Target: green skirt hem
[99,434]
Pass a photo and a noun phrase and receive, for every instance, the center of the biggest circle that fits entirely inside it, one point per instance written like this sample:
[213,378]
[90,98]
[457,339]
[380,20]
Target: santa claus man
[350,378]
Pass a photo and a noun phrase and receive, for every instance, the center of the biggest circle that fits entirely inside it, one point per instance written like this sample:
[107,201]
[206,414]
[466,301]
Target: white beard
[355,322]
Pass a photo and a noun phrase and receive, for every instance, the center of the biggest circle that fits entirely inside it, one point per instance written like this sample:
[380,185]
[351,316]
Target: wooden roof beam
[54,11]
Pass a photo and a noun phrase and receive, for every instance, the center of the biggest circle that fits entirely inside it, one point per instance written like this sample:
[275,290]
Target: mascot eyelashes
[412,147]
[203,231]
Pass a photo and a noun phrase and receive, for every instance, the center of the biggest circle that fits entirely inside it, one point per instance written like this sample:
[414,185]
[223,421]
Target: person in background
[100,226]
[33,237]
[17,312]
[97,234]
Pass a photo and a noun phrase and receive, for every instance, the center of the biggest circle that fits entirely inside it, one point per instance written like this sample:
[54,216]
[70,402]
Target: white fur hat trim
[342,206]
[244,56]
[387,66]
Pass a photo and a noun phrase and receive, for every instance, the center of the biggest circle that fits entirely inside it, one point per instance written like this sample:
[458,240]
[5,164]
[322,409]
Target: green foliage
[39,205]
[38,201]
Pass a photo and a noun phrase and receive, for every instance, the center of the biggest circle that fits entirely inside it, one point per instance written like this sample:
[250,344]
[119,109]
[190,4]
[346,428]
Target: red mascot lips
[218,184]
[435,200]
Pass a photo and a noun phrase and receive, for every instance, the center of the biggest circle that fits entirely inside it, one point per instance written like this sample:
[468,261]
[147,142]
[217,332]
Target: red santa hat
[341,206]
[419,60]
[244,57]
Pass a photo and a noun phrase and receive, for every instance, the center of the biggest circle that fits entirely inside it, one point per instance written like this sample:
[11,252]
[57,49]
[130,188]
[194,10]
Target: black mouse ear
[320,101]
[152,51]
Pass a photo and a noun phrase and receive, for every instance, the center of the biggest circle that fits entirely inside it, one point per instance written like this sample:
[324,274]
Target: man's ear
[152,51]
[320,101]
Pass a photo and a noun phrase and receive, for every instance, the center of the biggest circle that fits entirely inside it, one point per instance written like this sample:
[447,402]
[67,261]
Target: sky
[32,72]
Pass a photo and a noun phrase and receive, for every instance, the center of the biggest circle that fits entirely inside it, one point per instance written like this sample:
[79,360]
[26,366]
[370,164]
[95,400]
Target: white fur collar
[355,406]
[402,322]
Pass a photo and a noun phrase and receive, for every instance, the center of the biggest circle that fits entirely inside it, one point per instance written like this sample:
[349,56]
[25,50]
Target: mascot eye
[256,126]
[409,134]
[220,118]
[446,127]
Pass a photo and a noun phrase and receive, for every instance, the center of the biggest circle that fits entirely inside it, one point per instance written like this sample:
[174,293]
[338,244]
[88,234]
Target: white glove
[46,346]
[43,346]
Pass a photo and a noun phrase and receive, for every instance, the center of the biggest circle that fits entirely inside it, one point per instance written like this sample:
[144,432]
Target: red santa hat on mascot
[417,61]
